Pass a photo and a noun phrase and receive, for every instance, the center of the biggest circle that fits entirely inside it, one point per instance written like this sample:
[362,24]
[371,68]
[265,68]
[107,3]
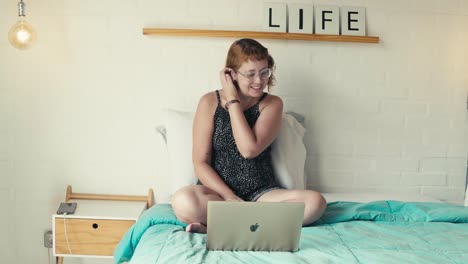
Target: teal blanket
[376,232]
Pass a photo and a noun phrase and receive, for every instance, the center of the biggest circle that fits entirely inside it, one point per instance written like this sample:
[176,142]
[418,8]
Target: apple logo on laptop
[254,228]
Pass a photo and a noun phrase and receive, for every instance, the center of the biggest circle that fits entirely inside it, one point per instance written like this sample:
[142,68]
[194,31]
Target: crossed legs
[314,202]
[190,204]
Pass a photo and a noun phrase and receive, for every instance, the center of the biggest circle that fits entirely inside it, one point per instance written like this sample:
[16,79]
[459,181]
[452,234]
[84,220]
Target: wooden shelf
[256,35]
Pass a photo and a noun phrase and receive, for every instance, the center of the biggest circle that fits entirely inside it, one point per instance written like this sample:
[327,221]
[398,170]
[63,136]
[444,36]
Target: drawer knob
[95,226]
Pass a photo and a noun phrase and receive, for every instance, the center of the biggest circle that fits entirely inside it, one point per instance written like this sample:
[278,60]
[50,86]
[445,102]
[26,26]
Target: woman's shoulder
[209,97]
[271,100]
[208,100]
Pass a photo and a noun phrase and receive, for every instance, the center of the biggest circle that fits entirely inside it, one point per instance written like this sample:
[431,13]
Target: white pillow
[466,197]
[178,125]
[288,154]
[288,150]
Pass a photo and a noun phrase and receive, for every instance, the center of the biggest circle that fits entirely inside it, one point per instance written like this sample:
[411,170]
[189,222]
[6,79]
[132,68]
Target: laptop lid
[256,226]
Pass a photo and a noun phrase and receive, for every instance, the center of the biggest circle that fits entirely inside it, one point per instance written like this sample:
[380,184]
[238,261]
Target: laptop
[255,226]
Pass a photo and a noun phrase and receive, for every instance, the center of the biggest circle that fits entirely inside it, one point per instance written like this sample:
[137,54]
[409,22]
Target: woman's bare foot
[196,228]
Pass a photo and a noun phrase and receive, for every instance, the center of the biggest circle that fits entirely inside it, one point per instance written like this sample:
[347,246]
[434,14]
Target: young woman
[232,133]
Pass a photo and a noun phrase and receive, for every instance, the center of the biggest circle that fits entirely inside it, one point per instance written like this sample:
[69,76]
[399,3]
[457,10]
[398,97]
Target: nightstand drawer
[89,236]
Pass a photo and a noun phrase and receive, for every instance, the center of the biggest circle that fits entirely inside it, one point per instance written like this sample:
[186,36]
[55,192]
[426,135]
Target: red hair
[247,49]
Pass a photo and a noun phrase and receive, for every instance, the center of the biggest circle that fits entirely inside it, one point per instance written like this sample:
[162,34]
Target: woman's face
[249,80]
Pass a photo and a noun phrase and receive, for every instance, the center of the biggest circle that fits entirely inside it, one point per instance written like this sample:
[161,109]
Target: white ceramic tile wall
[81,106]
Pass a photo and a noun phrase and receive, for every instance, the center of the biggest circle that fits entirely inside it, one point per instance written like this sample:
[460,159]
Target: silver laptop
[256,226]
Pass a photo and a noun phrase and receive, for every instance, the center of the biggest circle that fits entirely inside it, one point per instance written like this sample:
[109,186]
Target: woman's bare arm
[253,141]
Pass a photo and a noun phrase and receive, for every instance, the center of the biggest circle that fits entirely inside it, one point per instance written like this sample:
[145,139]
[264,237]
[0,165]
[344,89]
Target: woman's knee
[317,199]
[189,203]
[183,201]
[315,205]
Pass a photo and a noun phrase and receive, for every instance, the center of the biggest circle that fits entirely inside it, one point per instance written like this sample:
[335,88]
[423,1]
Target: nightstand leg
[59,260]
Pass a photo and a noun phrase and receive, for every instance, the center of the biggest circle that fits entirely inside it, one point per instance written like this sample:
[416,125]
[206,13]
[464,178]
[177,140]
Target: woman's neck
[247,101]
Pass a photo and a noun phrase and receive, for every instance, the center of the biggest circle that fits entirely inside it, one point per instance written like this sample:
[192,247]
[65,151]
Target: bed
[355,228]
[385,231]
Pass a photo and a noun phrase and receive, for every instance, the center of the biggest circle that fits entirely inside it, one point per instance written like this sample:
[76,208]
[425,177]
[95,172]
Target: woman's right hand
[227,82]
[232,198]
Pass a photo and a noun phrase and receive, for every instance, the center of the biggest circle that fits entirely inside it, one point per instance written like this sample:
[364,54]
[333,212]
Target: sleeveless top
[248,178]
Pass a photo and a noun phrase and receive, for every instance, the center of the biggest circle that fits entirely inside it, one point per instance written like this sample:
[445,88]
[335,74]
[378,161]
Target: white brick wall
[81,106]
[6,225]
[424,179]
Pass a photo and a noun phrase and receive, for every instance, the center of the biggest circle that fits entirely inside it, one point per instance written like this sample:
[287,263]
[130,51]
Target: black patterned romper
[248,178]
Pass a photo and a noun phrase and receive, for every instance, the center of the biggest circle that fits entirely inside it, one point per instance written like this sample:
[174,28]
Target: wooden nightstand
[98,224]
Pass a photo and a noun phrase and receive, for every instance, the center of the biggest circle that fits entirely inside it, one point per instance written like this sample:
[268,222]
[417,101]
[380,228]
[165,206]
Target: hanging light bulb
[22,34]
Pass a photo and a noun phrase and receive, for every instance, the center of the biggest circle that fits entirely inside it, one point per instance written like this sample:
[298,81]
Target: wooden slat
[149,199]
[86,196]
[257,34]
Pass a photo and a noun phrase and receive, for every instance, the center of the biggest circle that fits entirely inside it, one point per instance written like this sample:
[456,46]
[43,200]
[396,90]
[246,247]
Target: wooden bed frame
[130,198]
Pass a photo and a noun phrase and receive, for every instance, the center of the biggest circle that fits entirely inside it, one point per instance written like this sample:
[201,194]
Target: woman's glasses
[263,74]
